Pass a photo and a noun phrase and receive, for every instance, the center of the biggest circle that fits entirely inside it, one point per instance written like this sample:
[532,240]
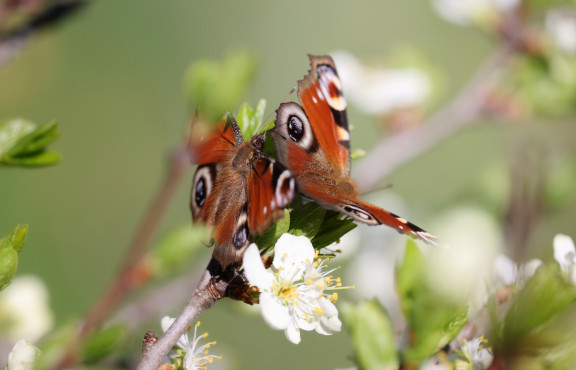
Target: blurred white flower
[561,27]
[379,91]
[476,355]
[23,356]
[474,238]
[465,12]
[292,292]
[507,272]
[24,309]
[196,355]
[565,255]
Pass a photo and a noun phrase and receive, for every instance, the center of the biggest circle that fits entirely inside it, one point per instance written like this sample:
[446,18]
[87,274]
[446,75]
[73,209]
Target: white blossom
[24,310]
[23,356]
[565,255]
[379,91]
[466,12]
[561,27]
[507,272]
[476,355]
[292,290]
[196,354]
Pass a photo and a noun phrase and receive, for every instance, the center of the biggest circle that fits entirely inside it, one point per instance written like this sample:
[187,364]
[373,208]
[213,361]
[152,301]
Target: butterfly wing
[238,190]
[271,188]
[313,141]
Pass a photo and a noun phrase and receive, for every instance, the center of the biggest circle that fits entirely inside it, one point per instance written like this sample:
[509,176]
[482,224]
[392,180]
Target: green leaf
[357,154]
[433,321]
[103,343]
[41,159]
[271,235]
[35,142]
[372,335]
[332,229]
[216,86]
[250,119]
[269,125]
[306,220]
[542,299]
[29,149]
[12,131]
[10,247]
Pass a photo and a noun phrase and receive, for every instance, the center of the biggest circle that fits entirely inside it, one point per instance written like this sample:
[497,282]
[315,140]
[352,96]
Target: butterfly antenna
[269,115]
[383,187]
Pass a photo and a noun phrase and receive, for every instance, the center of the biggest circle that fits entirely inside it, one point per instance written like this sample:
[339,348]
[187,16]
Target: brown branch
[525,202]
[38,14]
[463,110]
[209,290]
[130,274]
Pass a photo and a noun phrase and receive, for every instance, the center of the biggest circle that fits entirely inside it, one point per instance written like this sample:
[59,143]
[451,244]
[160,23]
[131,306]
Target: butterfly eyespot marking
[202,186]
[292,122]
[241,235]
[358,213]
[295,129]
[285,188]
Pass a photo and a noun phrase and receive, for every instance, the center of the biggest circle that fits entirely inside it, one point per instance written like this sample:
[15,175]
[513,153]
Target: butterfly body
[313,141]
[238,190]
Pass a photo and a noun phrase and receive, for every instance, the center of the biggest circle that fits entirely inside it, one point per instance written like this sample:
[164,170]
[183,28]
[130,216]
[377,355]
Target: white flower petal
[274,313]
[464,12]
[22,356]
[292,334]
[505,270]
[291,254]
[564,251]
[528,269]
[25,310]
[254,269]
[166,322]
[328,307]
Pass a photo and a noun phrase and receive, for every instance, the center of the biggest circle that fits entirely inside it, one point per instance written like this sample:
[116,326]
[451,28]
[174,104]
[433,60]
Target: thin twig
[206,294]
[53,12]
[463,110]
[128,276]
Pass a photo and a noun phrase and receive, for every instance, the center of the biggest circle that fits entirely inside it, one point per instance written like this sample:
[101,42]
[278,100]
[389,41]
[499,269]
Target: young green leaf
[306,220]
[250,119]
[332,229]
[10,247]
[103,343]
[372,335]
[12,131]
[216,86]
[271,235]
[542,299]
[433,321]
[29,149]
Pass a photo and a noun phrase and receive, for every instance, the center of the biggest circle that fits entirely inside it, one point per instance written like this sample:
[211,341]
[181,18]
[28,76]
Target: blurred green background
[112,76]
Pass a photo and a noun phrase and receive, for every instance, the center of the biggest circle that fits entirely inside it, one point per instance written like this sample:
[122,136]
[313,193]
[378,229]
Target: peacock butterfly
[238,190]
[313,141]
